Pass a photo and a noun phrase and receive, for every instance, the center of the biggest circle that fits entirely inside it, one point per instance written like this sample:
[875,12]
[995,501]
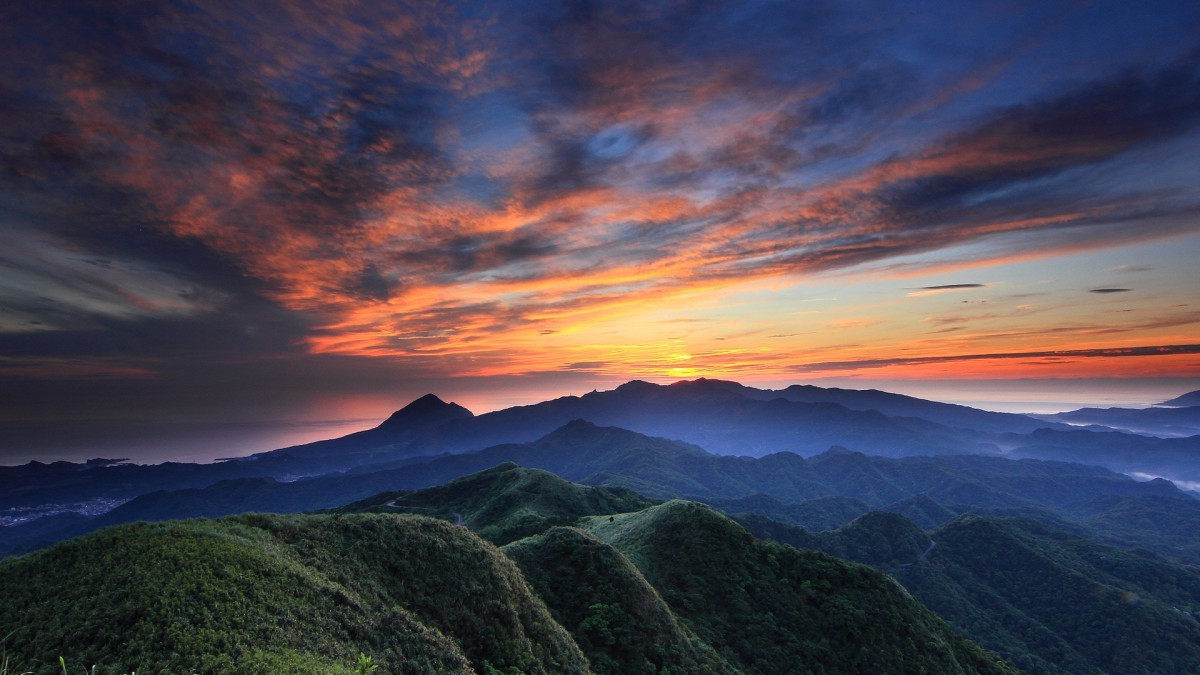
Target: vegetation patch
[270,594]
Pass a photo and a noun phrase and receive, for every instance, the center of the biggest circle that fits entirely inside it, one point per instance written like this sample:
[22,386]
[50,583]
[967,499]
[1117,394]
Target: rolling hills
[1057,603]
[269,594]
[675,587]
[1046,599]
[1009,583]
[768,608]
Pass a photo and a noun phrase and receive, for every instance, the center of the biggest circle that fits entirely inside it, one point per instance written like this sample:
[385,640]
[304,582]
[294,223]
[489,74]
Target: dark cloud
[1115,352]
[567,169]
[587,365]
[952,287]
[450,254]
[244,328]
[1092,124]
[575,161]
[1110,290]
[601,54]
[373,285]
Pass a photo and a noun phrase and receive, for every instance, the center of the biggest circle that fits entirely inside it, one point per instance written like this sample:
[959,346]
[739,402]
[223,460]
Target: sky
[227,227]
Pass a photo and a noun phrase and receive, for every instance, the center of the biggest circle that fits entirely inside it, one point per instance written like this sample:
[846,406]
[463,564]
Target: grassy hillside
[506,502]
[615,615]
[769,608]
[269,594]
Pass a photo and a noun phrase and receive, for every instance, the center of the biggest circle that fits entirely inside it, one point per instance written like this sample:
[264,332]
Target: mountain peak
[1185,401]
[636,386]
[838,451]
[702,385]
[708,384]
[573,428]
[578,424]
[429,409]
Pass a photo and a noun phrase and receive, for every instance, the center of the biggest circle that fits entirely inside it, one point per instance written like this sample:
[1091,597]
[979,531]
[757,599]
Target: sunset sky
[226,227]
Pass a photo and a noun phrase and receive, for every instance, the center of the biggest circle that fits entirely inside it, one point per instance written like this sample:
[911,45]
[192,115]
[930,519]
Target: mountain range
[661,468]
[1025,536]
[1177,418]
[722,417]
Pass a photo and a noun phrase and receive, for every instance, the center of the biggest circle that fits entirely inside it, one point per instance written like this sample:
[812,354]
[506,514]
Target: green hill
[878,538]
[770,608]
[822,513]
[1043,597]
[882,539]
[506,502]
[921,510]
[615,615]
[1053,602]
[270,594]
[1162,524]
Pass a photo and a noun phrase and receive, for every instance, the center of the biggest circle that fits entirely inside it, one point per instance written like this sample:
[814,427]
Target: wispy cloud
[53,285]
[935,290]
[1115,352]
